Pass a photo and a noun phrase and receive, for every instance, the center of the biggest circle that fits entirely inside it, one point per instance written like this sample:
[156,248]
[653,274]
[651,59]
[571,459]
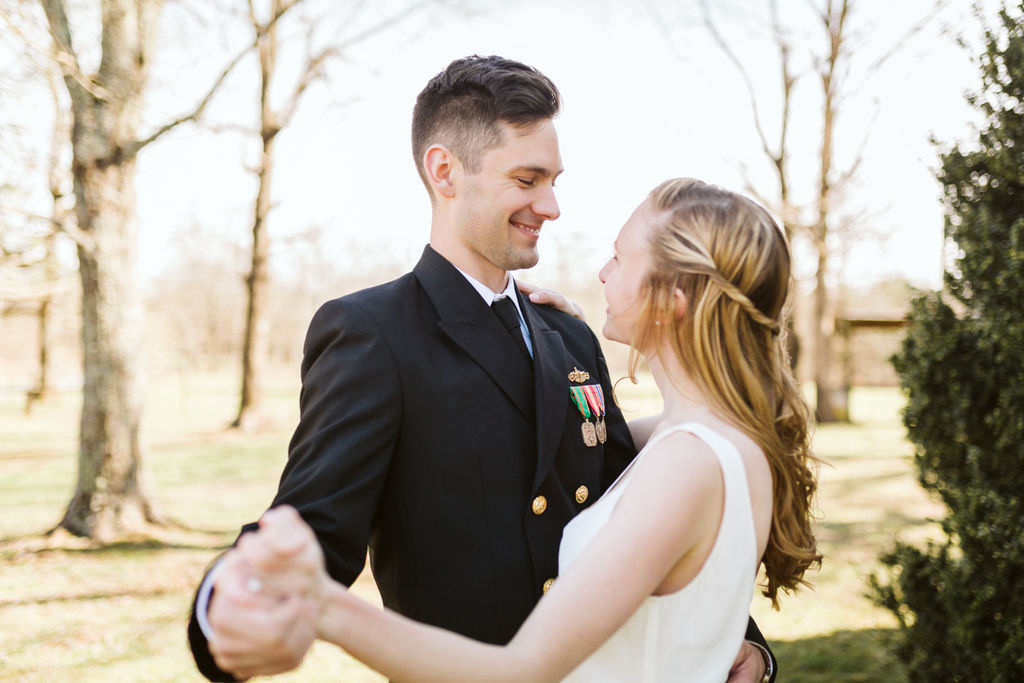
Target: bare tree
[273,119]
[826,61]
[57,181]
[110,498]
[33,277]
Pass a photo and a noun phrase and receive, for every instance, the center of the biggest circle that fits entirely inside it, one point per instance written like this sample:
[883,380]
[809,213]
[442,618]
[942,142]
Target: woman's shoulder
[756,470]
[678,454]
[692,450]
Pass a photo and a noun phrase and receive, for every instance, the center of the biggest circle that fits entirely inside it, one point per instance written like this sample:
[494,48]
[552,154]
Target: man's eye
[525,182]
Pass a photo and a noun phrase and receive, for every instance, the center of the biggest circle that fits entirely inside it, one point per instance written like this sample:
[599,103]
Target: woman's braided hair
[731,261]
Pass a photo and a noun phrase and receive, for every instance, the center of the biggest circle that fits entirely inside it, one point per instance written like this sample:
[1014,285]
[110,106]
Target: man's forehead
[531,148]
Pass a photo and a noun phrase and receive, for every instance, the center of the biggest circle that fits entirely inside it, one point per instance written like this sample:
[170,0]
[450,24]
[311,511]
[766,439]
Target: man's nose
[547,206]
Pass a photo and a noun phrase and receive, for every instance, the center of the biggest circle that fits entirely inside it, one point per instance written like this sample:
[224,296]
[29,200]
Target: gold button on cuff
[581,494]
[540,504]
[548,584]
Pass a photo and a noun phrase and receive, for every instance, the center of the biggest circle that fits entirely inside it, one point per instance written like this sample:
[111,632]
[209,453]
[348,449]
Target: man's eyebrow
[538,170]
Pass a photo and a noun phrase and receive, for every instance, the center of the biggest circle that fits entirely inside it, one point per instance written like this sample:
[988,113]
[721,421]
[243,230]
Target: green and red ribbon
[589,400]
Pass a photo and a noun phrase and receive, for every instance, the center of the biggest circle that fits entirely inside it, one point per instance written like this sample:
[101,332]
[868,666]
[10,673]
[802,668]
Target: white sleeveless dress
[695,633]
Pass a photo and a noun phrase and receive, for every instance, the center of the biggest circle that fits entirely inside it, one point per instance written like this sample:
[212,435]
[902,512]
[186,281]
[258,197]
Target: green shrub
[960,602]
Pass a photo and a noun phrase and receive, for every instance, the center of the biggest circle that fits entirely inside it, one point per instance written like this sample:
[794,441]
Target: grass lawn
[71,612]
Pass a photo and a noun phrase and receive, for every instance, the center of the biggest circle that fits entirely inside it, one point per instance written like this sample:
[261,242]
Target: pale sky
[645,99]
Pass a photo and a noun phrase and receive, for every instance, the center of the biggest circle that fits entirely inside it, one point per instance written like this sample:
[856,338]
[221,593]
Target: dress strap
[728,456]
[681,427]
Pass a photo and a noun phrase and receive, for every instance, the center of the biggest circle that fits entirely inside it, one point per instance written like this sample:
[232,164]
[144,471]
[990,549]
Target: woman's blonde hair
[731,261]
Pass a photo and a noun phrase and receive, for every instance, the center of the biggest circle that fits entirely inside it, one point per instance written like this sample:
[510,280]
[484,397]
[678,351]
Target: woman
[655,577]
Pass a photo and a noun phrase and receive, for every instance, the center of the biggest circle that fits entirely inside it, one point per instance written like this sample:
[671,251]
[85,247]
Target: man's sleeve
[754,636]
[338,458]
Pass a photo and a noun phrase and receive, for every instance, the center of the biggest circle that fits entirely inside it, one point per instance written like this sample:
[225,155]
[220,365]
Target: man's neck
[474,265]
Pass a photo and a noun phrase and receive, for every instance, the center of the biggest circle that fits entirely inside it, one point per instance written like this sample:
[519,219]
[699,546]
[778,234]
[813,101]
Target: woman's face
[624,274]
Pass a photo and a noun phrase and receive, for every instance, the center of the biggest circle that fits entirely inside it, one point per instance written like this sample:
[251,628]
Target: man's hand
[266,598]
[748,666]
[550,297]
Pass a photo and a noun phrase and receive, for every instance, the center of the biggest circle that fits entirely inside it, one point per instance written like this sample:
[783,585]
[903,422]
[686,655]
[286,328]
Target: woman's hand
[268,597]
[549,297]
[285,555]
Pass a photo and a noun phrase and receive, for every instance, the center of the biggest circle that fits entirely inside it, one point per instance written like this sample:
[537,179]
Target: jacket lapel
[467,321]
[549,362]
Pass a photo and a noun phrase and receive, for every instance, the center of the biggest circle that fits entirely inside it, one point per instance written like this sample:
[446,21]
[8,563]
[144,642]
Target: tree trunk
[41,390]
[254,344]
[110,499]
[822,324]
[56,175]
[825,389]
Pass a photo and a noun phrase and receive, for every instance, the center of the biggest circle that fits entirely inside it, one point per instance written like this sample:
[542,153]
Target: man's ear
[439,164]
[680,303]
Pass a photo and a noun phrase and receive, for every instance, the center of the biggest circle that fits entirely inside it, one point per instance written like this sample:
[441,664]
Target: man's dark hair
[464,106]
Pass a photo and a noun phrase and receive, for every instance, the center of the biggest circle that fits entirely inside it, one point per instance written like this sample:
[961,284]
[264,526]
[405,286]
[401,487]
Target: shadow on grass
[863,656]
[181,538]
[101,595]
[854,533]
[855,485]
[146,546]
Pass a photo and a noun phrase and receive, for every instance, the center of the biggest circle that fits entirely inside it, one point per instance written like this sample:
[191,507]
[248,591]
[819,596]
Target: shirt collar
[489,295]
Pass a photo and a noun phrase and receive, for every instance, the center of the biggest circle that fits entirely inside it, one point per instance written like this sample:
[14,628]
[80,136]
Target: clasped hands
[267,597]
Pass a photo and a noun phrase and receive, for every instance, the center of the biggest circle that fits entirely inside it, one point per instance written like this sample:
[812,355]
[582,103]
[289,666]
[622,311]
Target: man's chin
[522,259]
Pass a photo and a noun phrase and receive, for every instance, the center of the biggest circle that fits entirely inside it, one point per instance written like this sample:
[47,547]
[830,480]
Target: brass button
[540,504]
[581,494]
[548,584]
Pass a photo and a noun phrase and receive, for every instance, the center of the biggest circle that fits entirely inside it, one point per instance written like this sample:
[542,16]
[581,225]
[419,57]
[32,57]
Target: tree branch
[80,238]
[13,291]
[79,85]
[33,48]
[134,148]
[751,92]
[910,33]
[315,63]
[788,81]
[846,176]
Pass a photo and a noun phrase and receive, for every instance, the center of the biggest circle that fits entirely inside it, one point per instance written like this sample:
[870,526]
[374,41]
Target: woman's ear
[439,164]
[680,303]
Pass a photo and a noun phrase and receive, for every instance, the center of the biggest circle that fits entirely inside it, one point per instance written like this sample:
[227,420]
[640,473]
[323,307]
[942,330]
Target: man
[437,424]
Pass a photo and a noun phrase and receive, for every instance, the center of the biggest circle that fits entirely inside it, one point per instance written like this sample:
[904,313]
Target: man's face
[499,211]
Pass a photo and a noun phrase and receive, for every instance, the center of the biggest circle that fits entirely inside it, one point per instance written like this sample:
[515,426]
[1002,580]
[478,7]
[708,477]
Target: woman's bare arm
[667,509]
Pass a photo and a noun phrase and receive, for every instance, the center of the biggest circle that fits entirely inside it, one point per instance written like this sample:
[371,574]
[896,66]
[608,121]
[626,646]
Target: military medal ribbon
[579,397]
[595,399]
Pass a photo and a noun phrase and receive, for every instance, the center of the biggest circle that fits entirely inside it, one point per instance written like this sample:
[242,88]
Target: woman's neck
[681,397]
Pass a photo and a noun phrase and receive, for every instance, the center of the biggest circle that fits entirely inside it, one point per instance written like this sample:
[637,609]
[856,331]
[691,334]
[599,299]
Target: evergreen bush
[960,602]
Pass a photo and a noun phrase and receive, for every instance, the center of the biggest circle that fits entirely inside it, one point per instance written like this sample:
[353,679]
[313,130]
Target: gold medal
[589,433]
[602,430]
[578,376]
